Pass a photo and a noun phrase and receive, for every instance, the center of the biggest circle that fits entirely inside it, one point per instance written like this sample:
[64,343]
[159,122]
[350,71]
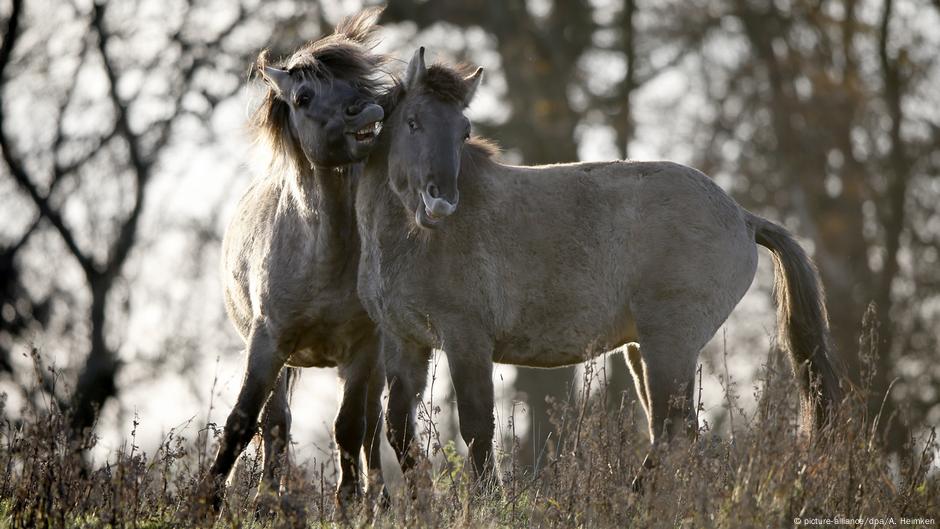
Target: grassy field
[755,475]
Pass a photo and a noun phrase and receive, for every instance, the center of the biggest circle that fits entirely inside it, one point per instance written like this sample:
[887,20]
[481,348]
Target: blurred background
[125,149]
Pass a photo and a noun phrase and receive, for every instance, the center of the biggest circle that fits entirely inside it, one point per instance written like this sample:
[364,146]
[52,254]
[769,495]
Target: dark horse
[552,265]
[291,253]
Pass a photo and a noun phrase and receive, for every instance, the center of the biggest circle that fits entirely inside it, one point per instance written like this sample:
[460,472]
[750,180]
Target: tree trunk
[96,383]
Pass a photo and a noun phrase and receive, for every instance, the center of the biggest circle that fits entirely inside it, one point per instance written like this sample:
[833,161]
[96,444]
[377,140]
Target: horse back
[570,249]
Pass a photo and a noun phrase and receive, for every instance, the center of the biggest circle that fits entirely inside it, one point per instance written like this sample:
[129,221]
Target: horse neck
[325,203]
[379,211]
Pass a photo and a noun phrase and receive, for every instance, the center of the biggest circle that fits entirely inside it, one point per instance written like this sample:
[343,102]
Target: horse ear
[416,70]
[279,79]
[473,82]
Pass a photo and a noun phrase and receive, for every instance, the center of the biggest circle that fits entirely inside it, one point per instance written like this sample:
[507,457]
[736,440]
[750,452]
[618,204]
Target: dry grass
[761,478]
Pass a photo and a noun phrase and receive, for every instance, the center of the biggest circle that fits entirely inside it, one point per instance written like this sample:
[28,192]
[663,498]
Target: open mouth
[425,218]
[432,210]
[431,215]
[368,133]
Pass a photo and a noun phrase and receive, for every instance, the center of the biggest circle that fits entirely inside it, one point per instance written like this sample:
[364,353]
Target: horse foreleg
[407,371]
[373,439]
[264,364]
[472,374]
[350,425]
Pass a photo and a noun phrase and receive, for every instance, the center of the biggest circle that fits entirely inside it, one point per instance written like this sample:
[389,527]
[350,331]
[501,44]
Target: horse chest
[321,319]
[309,297]
[398,296]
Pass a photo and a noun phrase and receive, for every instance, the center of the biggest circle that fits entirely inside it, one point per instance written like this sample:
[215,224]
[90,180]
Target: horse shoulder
[262,249]
[250,224]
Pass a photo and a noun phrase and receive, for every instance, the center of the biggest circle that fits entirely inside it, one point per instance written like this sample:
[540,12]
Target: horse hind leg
[668,380]
[670,388]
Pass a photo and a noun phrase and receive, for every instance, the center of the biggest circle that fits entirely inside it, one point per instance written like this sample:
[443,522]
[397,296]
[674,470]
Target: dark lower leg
[275,436]
[670,407]
[373,441]
[400,422]
[474,391]
[261,375]
[349,429]
[407,377]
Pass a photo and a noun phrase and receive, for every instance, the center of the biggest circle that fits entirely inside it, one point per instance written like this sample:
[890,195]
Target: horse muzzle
[432,210]
[364,125]
[438,207]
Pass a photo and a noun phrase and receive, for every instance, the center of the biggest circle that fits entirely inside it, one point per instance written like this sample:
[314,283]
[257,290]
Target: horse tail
[802,323]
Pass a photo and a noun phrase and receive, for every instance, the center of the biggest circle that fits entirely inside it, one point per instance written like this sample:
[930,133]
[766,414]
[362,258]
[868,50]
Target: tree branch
[142,162]
[10,36]
[60,171]
[14,164]
[125,240]
[59,138]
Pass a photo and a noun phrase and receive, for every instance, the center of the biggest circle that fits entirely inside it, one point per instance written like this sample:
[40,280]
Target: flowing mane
[345,54]
[478,151]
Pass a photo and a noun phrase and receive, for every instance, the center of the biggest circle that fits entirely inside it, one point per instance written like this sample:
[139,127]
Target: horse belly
[328,343]
[316,348]
[566,342]
[521,352]
[311,357]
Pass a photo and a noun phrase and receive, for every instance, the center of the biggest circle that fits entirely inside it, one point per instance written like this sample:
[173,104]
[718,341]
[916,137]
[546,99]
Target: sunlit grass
[763,478]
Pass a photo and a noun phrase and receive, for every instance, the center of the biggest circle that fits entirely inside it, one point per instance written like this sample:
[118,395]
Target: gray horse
[291,254]
[552,265]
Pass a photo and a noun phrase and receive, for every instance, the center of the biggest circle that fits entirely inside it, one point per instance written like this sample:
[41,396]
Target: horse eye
[412,124]
[303,99]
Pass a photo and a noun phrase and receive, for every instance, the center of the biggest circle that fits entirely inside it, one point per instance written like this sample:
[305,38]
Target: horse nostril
[352,110]
[433,191]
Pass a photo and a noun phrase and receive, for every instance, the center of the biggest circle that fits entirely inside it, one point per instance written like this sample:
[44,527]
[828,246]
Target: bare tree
[122,153]
[818,112]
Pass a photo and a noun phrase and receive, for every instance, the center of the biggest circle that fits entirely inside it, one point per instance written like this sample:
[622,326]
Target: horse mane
[345,54]
[479,149]
[442,81]
[447,82]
